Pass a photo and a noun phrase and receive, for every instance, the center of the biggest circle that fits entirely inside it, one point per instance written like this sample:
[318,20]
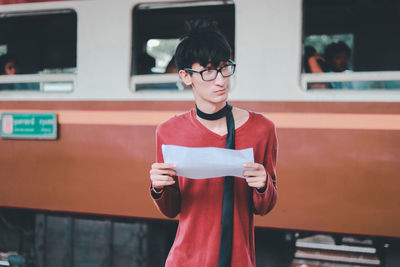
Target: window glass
[355,41]
[3,49]
[320,42]
[162,50]
[37,42]
[156,31]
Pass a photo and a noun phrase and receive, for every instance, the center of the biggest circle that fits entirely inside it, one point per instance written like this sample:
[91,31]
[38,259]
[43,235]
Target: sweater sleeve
[168,201]
[263,202]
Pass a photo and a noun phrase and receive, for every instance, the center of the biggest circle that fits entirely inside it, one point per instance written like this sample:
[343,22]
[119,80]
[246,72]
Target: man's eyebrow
[208,67]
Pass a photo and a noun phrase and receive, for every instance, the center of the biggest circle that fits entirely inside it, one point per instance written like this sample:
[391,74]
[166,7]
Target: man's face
[341,61]
[215,91]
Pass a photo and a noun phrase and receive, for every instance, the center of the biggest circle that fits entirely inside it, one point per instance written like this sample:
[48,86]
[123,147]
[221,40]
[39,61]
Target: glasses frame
[231,63]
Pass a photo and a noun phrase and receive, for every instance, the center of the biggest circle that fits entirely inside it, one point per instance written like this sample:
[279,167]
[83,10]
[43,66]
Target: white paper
[207,162]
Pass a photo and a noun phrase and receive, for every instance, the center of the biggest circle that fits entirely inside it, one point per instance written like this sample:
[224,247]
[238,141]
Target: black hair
[203,43]
[335,48]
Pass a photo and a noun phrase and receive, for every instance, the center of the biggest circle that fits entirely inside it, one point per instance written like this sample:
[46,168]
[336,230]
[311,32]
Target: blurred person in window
[8,65]
[337,57]
[314,63]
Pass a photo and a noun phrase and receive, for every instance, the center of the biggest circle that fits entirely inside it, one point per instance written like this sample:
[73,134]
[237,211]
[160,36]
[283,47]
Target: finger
[163,165]
[253,173]
[161,178]
[160,184]
[168,172]
[254,165]
[255,179]
[257,185]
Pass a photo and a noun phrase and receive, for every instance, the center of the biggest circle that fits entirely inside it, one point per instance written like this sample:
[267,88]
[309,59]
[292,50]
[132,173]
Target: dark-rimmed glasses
[208,74]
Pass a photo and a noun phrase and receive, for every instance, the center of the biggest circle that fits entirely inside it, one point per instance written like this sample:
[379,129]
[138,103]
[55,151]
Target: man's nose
[219,79]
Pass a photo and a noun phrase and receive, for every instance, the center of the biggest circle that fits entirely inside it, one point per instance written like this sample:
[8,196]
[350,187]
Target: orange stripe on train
[281,119]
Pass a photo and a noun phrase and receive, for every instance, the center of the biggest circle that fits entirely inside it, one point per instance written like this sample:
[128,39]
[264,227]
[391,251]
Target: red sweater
[199,202]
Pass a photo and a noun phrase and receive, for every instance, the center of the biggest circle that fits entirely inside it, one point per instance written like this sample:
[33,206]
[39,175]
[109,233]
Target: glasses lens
[209,75]
[228,70]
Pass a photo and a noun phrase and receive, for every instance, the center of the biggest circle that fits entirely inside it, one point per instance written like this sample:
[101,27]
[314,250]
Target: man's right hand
[161,174]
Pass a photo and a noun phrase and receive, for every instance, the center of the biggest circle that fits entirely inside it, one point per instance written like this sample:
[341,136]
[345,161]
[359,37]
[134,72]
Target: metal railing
[58,82]
[365,76]
[153,81]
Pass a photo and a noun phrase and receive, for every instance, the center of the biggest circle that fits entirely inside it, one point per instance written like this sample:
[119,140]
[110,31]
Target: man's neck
[208,107]
[217,126]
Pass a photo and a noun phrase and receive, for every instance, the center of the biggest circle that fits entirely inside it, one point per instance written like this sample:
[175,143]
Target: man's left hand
[257,177]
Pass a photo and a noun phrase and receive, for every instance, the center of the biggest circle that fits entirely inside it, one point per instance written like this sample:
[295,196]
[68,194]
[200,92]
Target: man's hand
[257,177]
[161,174]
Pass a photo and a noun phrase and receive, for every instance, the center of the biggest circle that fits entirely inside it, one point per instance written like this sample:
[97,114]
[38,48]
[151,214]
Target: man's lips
[221,91]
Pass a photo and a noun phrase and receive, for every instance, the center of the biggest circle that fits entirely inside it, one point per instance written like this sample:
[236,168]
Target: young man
[215,215]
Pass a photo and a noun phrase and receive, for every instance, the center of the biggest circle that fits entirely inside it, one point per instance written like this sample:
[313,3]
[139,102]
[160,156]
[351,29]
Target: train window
[156,31]
[351,44]
[39,46]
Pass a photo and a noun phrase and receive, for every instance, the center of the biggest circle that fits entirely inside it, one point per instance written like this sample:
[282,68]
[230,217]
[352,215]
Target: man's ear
[185,77]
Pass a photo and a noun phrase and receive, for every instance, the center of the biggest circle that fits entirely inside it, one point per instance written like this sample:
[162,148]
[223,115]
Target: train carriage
[102,67]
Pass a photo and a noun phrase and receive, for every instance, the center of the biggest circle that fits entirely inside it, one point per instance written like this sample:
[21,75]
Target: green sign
[29,125]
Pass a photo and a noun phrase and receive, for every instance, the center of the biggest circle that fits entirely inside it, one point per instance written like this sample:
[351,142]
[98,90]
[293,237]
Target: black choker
[215,116]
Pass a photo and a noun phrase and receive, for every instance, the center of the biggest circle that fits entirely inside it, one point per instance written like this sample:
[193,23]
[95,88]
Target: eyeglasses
[211,74]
